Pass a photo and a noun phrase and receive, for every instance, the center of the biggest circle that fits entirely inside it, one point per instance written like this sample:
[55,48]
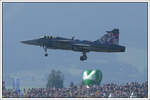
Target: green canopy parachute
[92,77]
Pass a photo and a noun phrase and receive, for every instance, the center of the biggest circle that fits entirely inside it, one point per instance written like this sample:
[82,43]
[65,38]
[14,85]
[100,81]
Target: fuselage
[109,42]
[75,44]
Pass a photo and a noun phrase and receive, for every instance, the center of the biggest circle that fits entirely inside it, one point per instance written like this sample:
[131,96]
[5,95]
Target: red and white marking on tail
[112,37]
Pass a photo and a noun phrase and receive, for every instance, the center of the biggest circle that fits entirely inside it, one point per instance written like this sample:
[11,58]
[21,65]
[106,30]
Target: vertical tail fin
[112,37]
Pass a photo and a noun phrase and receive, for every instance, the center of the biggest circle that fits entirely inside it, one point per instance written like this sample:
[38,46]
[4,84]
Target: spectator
[132,89]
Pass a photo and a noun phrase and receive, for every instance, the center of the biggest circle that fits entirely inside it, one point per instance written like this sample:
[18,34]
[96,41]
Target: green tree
[55,79]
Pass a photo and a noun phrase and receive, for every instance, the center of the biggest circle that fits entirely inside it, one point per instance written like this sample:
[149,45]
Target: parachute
[92,77]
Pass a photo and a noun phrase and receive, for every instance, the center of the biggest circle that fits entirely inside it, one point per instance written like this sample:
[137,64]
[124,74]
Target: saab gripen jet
[109,42]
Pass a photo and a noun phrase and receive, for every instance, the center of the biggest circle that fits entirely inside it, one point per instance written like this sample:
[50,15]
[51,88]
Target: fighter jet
[109,42]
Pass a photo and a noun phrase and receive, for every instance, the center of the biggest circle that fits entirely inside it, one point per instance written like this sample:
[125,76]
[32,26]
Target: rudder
[111,37]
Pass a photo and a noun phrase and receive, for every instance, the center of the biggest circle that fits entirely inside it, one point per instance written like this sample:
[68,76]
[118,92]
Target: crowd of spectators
[133,89]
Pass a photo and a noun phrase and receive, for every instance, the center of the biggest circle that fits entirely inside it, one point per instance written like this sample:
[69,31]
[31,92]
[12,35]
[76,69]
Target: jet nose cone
[25,42]
[31,42]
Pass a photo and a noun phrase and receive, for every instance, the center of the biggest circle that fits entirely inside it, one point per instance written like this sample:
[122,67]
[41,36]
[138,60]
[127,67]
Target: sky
[85,21]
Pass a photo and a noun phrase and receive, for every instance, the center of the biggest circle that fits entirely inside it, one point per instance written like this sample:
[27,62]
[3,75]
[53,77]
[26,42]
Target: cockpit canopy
[47,37]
